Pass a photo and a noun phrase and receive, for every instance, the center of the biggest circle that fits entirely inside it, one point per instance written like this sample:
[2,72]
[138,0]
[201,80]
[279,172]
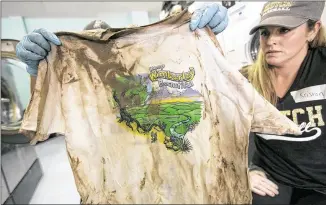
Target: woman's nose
[272,39]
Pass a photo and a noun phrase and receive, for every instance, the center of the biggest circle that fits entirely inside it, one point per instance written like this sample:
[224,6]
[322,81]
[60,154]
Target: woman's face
[281,45]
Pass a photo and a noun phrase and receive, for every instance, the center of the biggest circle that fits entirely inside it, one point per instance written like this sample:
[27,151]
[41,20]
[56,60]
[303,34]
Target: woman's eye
[263,33]
[284,30]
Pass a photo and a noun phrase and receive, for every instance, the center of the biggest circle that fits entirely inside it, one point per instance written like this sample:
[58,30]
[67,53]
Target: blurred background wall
[20,18]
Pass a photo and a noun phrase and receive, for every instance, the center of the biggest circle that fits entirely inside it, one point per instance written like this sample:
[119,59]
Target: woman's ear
[312,33]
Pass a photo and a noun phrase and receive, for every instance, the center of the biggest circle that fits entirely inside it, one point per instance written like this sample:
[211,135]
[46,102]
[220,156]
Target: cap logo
[276,6]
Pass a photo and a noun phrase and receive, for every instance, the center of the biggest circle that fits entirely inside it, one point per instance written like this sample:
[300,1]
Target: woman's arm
[253,167]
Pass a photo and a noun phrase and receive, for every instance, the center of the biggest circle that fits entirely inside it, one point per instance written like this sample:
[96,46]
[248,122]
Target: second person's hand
[214,15]
[35,47]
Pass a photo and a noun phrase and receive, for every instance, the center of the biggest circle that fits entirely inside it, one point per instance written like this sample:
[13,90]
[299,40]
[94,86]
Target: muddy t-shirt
[151,114]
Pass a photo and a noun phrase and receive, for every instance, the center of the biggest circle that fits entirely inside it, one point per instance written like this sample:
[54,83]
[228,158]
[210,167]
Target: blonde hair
[260,75]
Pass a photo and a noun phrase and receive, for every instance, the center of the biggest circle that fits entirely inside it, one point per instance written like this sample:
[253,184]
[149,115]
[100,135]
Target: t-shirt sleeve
[43,115]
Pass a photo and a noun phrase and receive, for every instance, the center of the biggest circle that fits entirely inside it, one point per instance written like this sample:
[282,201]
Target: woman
[290,72]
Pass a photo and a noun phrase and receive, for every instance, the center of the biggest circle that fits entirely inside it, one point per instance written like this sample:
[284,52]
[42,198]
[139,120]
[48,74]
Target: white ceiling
[71,9]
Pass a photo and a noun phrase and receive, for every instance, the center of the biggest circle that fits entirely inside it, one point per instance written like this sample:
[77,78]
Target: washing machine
[240,48]
[21,169]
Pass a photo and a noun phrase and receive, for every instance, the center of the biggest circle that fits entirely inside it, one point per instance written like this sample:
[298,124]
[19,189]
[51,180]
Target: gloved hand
[215,15]
[35,47]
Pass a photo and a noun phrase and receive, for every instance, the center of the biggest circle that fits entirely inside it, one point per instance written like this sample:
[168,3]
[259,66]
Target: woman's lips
[272,52]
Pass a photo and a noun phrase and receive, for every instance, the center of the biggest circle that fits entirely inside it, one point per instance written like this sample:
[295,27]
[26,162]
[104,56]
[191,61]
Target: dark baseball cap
[289,14]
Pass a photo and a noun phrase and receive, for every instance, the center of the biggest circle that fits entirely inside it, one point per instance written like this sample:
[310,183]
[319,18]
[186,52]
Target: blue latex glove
[215,15]
[35,47]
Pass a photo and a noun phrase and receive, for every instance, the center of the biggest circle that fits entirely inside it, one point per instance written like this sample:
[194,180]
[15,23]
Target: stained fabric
[152,114]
